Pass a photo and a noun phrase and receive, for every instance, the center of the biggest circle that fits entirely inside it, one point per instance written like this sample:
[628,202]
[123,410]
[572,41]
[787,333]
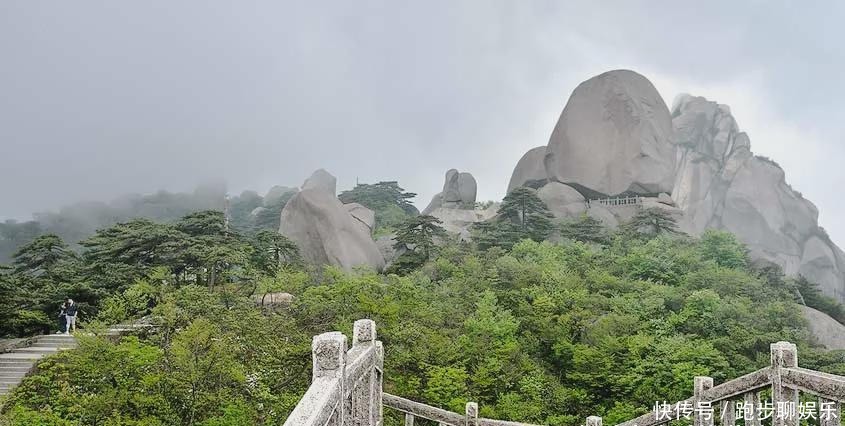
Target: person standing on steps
[62,318]
[71,316]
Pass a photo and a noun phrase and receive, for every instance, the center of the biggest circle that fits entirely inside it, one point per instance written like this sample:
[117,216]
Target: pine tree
[653,221]
[585,229]
[522,215]
[419,232]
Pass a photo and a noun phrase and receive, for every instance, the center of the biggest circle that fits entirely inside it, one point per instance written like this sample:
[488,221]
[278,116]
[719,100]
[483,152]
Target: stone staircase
[17,363]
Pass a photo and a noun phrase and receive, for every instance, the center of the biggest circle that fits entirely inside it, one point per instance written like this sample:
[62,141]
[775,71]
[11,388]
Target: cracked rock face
[326,231]
[614,135]
[721,184]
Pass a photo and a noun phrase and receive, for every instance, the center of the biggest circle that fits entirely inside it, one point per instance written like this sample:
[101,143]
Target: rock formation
[613,136]
[455,205]
[459,192]
[617,137]
[721,184]
[563,200]
[530,170]
[325,230]
[826,330]
[322,180]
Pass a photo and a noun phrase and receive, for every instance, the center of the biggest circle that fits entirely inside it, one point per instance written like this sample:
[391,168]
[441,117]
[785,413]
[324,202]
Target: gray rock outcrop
[530,170]
[325,231]
[616,136]
[460,221]
[562,200]
[827,331]
[459,192]
[322,180]
[364,215]
[613,136]
[721,184]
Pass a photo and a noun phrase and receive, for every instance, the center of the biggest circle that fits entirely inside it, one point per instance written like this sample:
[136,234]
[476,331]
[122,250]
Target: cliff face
[617,136]
[720,184]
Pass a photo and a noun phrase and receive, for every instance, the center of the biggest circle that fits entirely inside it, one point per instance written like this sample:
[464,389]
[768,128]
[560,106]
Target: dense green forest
[537,321]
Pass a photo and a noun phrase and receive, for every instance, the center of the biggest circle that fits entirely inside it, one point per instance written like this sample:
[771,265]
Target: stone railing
[415,410]
[346,387]
[784,377]
[346,384]
[616,201]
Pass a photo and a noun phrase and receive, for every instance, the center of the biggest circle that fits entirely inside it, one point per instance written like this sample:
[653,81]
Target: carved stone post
[471,414]
[328,355]
[364,332]
[701,416]
[752,415]
[784,399]
[364,393]
[594,421]
[828,412]
[378,408]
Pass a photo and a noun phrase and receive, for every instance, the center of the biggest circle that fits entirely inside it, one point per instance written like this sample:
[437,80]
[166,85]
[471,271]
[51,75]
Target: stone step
[31,349]
[64,345]
[9,376]
[32,356]
[10,381]
[7,361]
[56,339]
[16,367]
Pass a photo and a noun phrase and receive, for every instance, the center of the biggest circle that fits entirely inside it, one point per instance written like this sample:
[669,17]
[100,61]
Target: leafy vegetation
[602,323]
[387,199]
[521,215]
[415,239]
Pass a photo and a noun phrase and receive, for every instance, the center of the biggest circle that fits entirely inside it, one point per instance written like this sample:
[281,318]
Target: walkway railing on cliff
[346,387]
[347,390]
[784,377]
[616,201]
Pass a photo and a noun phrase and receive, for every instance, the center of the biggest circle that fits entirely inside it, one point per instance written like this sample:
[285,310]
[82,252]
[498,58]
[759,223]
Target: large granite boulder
[530,170]
[562,200]
[825,330]
[614,135]
[321,180]
[325,231]
[459,192]
[364,215]
[460,221]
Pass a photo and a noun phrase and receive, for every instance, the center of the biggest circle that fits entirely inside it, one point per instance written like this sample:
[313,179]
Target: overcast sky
[101,98]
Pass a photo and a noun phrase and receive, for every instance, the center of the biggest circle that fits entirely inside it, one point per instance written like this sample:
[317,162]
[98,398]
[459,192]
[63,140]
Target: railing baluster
[471,414]
[409,419]
[829,412]
[750,412]
[328,357]
[701,384]
[363,394]
[594,421]
[784,399]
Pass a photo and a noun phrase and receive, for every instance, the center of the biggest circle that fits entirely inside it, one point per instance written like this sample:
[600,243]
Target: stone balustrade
[346,389]
[784,377]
